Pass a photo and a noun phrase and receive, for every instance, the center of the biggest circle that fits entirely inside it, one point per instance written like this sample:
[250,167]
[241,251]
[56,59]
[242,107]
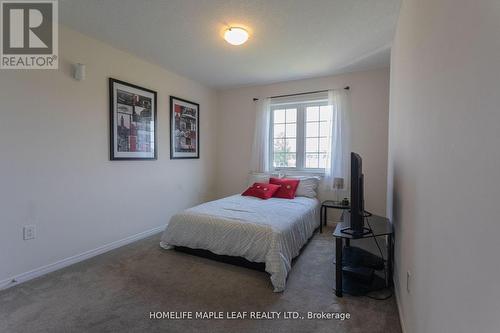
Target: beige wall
[55,167]
[444,162]
[370,109]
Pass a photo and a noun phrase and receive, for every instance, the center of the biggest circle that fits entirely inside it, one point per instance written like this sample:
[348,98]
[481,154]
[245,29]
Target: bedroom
[81,224]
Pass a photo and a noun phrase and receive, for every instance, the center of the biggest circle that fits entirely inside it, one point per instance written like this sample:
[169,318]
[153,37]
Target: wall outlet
[29,232]
[408,278]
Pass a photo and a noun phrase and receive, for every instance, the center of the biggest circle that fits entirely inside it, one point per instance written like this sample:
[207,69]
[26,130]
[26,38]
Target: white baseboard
[23,277]
[398,304]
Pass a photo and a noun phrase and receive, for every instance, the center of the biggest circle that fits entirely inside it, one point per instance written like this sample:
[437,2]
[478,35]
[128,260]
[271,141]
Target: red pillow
[287,189]
[261,190]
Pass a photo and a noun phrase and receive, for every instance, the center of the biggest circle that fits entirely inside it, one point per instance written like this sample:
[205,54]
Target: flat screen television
[357,216]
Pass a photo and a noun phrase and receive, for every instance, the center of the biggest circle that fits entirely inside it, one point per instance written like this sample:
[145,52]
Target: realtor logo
[29,38]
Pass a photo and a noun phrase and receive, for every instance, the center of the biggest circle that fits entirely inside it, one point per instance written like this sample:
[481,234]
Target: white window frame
[300,137]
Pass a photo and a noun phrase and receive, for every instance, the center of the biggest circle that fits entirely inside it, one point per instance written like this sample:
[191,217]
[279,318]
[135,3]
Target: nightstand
[324,208]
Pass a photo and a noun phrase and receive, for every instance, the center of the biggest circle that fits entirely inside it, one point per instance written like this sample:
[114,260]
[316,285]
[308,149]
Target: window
[300,134]
[284,137]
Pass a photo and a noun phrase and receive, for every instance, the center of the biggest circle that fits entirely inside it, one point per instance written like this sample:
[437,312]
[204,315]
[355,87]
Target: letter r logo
[17,28]
[27,27]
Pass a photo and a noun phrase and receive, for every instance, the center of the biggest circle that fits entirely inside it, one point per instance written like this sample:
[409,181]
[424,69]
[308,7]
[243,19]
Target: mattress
[268,231]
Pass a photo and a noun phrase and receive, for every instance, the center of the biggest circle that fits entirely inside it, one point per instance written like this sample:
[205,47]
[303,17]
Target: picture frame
[184,129]
[133,122]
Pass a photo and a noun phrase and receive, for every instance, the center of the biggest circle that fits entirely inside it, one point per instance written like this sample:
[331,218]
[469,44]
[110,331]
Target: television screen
[357,200]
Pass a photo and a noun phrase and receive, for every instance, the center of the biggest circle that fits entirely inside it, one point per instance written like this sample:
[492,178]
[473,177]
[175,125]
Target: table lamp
[338,184]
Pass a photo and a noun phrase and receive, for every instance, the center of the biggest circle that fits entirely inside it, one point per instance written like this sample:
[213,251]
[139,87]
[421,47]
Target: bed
[263,231]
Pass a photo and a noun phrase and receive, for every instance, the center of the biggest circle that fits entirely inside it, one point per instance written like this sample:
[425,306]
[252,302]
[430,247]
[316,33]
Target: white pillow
[307,186]
[255,177]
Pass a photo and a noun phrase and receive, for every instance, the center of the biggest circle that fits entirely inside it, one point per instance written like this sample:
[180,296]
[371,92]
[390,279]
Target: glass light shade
[236,36]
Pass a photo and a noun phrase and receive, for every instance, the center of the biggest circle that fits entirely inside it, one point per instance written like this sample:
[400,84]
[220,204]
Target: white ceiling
[289,39]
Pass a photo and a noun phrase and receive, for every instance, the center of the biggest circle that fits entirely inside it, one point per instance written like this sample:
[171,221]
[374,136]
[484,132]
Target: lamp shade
[338,183]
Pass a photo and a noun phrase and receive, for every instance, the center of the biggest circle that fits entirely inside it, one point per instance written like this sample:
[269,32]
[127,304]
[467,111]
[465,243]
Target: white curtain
[260,148]
[338,164]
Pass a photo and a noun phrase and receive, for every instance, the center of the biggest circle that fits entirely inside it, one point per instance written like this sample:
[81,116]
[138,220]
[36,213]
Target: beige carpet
[116,292]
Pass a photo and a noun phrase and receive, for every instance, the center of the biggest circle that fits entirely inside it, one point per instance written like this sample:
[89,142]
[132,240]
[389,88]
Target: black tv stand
[356,234]
[358,271]
[354,266]
[357,257]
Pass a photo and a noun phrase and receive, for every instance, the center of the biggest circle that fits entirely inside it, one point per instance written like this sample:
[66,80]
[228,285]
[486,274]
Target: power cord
[366,216]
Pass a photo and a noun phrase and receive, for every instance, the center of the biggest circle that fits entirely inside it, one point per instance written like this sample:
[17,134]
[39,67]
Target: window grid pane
[291,116]
[282,145]
[312,145]
[323,145]
[279,116]
[279,145]
[312,160]
[323,159]
[291,160]
[285,138]
[312,113]
[279,130]
[291,143]
[325,113]
[279,160]
[310,140]
[312,129]
[317,131]
[324,128]
[291,130]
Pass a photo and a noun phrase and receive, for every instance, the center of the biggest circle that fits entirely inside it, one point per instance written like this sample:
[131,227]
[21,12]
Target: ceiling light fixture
[236,36]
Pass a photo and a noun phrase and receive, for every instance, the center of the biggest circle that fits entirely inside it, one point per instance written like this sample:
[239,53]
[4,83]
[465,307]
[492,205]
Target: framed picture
[132,112]
[184,129]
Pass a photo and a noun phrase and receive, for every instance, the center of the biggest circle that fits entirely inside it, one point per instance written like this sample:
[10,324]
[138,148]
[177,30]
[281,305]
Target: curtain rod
[298,94]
